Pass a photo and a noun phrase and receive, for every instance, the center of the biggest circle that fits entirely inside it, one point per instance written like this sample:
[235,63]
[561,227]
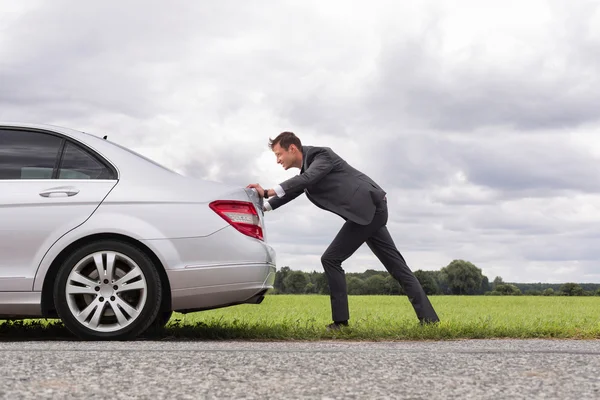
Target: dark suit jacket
[333,185]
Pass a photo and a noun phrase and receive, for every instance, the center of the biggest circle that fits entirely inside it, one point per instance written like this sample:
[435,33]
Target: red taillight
[241,215]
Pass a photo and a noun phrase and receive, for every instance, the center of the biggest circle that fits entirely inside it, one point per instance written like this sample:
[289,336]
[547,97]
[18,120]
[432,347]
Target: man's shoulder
[315,149]
[313,152]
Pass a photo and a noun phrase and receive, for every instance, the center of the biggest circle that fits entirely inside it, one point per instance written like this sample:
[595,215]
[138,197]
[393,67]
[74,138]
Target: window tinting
[28,155]
[79,164]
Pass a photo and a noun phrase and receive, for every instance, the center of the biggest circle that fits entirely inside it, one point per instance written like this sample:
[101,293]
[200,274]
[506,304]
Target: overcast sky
[480,118]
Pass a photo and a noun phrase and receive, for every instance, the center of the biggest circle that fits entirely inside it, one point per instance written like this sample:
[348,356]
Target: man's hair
[285,139]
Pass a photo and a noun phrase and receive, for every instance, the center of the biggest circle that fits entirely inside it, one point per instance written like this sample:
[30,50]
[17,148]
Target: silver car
[112,243]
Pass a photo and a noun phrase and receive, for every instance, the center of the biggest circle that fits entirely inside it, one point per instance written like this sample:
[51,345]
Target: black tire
[156,327]
[147,307]
[161,319]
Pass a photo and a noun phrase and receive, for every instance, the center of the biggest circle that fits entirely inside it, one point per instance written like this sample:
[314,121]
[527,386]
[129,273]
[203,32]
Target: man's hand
[258,188]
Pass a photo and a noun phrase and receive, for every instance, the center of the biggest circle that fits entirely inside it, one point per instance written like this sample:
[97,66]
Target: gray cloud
[543,86]
[551,83]
[111,59]
[233,167]
[499,165]
[543,167]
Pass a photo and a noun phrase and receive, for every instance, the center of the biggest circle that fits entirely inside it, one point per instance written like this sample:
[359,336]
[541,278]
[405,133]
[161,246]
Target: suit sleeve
[320,166]
[276,202]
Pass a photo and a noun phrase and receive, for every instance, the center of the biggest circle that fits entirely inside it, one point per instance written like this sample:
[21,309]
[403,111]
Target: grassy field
[303,317]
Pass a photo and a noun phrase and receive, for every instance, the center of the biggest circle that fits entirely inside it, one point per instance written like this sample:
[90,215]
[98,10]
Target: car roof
[48,127]
[125,160]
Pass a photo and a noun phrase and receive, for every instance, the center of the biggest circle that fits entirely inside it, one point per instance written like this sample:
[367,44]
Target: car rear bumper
[224,268]
[206,287]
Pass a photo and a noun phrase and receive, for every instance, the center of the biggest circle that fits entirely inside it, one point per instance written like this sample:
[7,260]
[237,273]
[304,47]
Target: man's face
[286,158]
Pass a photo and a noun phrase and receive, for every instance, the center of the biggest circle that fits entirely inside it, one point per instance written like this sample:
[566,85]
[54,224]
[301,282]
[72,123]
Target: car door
[49,185]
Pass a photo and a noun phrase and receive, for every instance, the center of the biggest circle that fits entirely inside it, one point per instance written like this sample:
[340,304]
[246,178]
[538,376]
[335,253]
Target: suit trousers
[350,237]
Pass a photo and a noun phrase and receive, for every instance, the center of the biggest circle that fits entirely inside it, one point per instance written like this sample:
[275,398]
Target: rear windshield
[144,157]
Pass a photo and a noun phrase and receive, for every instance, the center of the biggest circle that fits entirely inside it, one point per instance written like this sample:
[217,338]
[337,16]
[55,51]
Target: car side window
[78,163]
[27,154]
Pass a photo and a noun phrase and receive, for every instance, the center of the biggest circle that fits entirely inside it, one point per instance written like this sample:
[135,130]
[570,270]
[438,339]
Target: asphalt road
[470,369]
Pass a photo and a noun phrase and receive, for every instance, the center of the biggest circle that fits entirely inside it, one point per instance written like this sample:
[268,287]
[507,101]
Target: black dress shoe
[426,321]
[336,326]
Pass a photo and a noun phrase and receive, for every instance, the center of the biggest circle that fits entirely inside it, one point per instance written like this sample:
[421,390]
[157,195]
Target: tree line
[460,277]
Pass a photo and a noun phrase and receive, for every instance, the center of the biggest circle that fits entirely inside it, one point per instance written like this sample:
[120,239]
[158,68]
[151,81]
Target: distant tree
[427,281]
[533,292]
[442,282]
[295,282]
[485,285]
[279,278]
[309,288]
[369,273]
[320,282]
[497,281]
[571,289]
[529,288]
[463,277]
[591,287]
[375,284]
[355,285]
[507,289]
[392,287]
[458,277]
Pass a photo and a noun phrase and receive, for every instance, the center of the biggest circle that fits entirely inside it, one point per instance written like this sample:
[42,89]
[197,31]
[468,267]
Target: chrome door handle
[60,192]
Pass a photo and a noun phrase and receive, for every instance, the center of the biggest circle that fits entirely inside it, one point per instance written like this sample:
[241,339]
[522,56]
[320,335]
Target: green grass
[303,317]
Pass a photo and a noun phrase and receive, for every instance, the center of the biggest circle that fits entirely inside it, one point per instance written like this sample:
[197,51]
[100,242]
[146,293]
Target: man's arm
[276,191]
[320,166]
[276,202]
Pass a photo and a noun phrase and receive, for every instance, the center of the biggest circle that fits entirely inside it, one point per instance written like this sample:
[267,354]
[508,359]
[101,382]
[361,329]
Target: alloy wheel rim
[106,291]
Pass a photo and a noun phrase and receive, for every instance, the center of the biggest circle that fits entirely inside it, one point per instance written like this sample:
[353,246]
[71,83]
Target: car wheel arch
[47,303]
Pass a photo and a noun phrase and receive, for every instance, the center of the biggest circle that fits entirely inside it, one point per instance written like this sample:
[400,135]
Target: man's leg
[350,237]
[382,245]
